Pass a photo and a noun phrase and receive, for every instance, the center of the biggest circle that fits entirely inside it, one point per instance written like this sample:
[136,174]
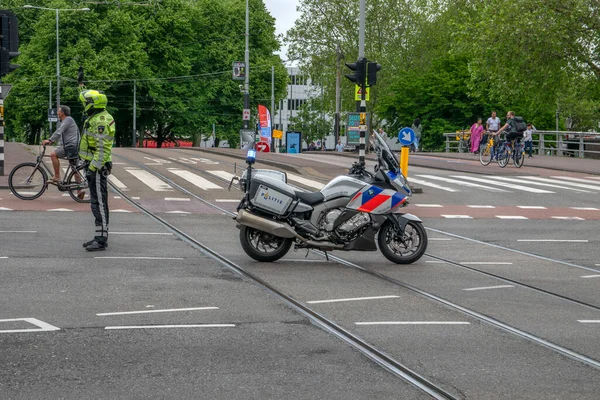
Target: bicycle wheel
[81,193]
[462,146]
[503,157]
[485,154]
[27,181]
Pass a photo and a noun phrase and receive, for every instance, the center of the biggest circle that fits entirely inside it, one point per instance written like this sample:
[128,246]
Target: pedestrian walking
[339,147]
[95,147]
[476,132]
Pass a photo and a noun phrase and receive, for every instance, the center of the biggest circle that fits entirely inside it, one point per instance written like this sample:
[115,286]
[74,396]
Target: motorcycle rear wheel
[403,248]
[263,246]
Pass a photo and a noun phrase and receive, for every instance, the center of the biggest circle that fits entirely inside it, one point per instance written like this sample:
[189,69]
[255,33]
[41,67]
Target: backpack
[519,124]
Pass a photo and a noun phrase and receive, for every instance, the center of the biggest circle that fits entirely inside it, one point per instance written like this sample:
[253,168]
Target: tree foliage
[178,54]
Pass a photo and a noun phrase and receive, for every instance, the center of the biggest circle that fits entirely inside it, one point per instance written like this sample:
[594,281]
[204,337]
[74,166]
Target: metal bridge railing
[550,143]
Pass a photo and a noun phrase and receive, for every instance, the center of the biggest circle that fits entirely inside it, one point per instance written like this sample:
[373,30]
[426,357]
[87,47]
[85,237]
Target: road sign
[239,71]
[354,125]
[52,115]
[358,92]
[406,136]
[262,147]
[4,89]
[246,115]
[277,134]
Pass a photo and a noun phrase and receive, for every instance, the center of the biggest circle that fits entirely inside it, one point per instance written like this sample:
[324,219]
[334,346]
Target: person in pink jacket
[476,131]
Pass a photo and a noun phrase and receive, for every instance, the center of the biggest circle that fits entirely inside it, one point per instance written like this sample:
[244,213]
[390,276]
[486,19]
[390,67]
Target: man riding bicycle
[67,135]
[511,128]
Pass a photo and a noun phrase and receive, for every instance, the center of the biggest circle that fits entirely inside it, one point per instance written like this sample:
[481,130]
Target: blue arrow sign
[406,136]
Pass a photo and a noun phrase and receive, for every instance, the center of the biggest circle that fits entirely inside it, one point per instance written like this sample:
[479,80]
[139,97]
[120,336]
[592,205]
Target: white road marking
[511,217]
[483,206]
[142,233]
[435,262]
[116,197]
[555,240]
[194,179]
[585,208]
[502,184]
[532,207]
[569,178]
[119,210]
[414,323]
[432,185]
[450,216]
[222,174]
[135,198]
[115,181]
[157,311]
[59,209]
[590,276]
[305,182]
[570,218]
[158,160]
[462,183]
[227,201]
[486,263]
[18,231]
[178,212]
[521,180]
[441,239]
[352,299]
[577,185]
[429,205]
[489,287]
[42,326]
[141,258]
[589,321]
[171,326]
[5,209]
[4,257]
[150,180]
[177,199]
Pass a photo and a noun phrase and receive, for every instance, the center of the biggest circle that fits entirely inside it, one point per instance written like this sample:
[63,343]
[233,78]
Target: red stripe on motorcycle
[373,203]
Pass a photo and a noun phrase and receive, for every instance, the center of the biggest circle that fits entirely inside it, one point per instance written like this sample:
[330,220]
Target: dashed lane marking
[177,199]
[140,258]
[489,287]
[119,210]
[590,276]
[585,208]
[555,240]
[532,207]
[352,299]
[482,206]
[18,231]
[5,209]
[227,200]
[142,233]
[171,326]
[178,212]
[569,218]
[59,209]
[450,216]
[511,217]
[429,205]
[156,311]
[486,263]
[589,321]
[414,323]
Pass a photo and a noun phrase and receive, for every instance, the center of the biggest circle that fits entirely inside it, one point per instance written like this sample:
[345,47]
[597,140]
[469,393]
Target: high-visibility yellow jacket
[97,139]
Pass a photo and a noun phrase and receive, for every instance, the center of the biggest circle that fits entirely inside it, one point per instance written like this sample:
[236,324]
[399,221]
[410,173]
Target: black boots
[95,245]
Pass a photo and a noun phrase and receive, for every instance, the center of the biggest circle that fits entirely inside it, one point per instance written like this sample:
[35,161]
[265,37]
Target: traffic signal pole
[362,105]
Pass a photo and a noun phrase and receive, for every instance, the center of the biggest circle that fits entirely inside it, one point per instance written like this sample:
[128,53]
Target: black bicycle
[29,180]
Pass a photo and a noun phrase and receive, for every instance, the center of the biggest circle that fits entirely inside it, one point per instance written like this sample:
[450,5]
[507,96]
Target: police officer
[95,147]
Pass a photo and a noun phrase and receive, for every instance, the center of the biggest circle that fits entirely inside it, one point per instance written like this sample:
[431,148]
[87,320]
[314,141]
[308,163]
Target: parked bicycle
[487,151]
[464,141]
[29,180]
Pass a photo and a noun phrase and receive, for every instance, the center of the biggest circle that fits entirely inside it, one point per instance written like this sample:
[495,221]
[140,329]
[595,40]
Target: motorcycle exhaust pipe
[279,229]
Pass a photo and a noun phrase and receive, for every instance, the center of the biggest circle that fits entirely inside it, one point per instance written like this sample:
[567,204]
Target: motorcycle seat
[310,198]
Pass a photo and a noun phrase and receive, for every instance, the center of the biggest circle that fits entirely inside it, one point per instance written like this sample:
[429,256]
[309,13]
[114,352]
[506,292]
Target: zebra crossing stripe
[194,179]
[528,182]
[305,182]
[115,181]
[430,184]
[568,178]
[564,183]
[506,185]
[222,174]
[150,180]
[461,183]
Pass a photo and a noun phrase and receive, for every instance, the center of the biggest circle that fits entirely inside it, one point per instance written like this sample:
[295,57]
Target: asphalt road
[497,263]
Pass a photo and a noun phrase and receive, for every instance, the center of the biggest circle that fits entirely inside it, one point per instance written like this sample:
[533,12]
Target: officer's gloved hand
[106,169]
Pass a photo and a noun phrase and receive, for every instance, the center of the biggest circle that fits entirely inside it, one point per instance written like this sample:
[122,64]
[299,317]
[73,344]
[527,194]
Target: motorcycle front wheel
[263,246]
[403,248]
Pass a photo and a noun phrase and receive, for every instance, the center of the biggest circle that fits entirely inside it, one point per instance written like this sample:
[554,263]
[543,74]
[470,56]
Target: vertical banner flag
[264,120]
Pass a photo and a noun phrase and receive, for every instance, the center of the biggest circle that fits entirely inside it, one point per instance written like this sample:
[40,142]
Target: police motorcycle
[357,211]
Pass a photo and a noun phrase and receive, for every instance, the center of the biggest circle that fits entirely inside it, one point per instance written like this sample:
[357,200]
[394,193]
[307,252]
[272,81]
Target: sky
[284,12]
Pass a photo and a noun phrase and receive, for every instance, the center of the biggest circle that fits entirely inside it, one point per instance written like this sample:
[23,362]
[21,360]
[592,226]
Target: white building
[299,90]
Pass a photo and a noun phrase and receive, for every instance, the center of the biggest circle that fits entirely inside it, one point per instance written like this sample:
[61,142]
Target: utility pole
[134,114]
[247,77]
[336,123]
[272,106]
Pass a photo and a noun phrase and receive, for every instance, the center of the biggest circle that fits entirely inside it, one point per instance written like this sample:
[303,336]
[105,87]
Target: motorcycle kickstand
[326,256]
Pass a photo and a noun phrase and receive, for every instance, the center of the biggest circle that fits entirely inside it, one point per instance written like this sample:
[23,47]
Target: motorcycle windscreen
[375,200]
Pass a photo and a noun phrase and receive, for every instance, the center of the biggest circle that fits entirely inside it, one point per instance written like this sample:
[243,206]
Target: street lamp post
[57,48]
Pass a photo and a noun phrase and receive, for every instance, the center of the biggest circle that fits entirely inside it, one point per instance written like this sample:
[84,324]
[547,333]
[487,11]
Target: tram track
[307,311]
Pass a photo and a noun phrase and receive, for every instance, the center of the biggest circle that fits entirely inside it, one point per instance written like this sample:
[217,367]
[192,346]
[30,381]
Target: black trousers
[99,202]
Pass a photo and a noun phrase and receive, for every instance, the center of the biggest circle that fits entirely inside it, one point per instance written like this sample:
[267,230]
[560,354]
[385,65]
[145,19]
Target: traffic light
[372,68]
[360,71]
[9,41]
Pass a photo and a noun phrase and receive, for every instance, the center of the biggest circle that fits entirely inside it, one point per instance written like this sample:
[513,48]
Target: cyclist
[510,128]
[67,135]
[95,147]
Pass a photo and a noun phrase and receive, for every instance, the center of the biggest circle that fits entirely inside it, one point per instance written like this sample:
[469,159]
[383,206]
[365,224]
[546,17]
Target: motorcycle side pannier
[270,195]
